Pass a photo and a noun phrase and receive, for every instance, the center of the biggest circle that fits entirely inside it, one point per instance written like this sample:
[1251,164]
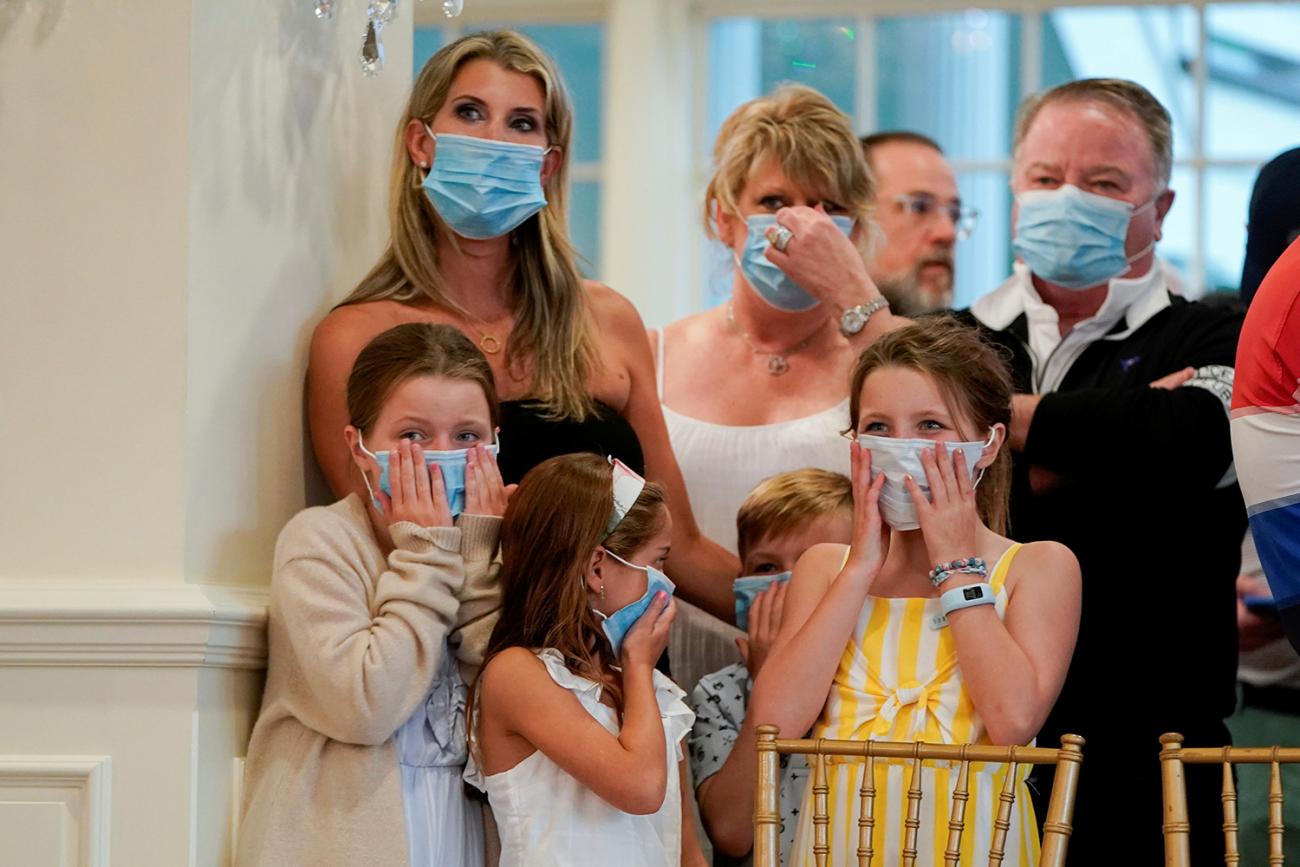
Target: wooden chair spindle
[1231,855]
[1002,824]
[867,807]
[821,817]
[913,821]
[957,818]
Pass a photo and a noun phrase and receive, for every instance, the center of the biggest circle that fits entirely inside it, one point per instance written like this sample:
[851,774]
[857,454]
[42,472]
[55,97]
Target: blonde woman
[478,220]
[756,386]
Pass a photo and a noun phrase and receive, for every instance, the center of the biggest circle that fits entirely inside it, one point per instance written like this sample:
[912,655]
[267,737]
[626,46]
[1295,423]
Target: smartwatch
[855,318]
[966,596]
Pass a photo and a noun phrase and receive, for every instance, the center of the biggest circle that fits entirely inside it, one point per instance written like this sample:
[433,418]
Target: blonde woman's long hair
[552,332]
[811,140]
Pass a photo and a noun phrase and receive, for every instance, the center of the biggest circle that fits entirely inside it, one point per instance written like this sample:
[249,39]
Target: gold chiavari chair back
[1176,828]
[1056,828]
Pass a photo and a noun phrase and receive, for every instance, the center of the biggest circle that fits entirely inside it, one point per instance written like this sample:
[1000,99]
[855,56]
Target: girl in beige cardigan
[357,754]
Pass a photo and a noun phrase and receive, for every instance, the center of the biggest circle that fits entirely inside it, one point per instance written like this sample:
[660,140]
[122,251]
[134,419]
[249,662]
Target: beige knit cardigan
[355,642]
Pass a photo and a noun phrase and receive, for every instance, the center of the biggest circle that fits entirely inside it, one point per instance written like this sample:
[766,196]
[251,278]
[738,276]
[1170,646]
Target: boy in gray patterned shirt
[780,519]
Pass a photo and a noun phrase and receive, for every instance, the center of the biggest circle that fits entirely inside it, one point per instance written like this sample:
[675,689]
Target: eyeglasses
[923,207]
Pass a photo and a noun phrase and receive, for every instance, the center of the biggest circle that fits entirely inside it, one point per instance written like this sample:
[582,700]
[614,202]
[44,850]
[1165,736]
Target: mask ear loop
[365,477]
[979,478]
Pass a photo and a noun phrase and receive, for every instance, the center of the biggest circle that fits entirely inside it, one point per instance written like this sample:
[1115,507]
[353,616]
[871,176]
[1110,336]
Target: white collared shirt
[1134,300]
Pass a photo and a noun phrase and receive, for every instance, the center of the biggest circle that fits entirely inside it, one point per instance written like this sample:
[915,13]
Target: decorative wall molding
[81,784]
[131,624]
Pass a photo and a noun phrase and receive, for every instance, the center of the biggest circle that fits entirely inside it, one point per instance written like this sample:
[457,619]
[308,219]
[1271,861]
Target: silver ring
[780,237]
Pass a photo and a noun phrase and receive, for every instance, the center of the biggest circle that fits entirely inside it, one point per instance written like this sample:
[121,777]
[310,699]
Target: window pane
[1227,205]
[984,259]
[584,224]
[954,77]
[427,42]
[1179,230]
[1152,45]
[1252,79]
[578,51]
[748,57]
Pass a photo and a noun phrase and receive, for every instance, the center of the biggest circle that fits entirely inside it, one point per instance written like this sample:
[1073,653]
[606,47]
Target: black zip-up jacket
[1142,500]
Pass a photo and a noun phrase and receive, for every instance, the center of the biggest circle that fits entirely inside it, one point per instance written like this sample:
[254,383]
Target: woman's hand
[764,623]
[485,493]
[870,543]
[950,517]
[646,640]
[822,259]
[418,492]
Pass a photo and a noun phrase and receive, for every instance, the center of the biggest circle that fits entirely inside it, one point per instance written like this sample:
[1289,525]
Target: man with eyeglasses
[1121,452]
[920,214]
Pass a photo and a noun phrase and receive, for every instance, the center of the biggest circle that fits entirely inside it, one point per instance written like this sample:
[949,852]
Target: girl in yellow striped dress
[931,626]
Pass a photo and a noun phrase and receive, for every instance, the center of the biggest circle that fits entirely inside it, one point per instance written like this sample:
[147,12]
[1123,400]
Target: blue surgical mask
[483,188]
[1074,238]
[616,625]
[895,458]
[452,462]
[745,589]
[770,282]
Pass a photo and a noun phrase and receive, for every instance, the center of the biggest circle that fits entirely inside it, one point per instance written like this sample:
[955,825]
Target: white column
[649,209]
[185,189]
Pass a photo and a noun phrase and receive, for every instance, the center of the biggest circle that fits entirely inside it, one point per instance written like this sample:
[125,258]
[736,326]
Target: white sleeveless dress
[722,463]
[546,818]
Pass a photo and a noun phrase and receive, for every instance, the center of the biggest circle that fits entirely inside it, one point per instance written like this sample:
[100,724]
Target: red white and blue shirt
[1266,430]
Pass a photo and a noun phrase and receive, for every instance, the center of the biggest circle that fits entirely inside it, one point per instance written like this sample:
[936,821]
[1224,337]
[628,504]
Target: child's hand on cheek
[418,492]
[646,640]
[950,516]
[485,493]
[764,623]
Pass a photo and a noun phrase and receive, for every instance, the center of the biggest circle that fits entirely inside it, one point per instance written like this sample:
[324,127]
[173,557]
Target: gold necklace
[486,342]
[776,361]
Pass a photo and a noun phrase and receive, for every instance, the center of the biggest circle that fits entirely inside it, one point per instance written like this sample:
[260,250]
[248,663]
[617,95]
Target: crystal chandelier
[379,13]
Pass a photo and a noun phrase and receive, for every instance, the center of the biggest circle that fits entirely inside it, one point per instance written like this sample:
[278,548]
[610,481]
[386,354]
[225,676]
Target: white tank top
[722,463]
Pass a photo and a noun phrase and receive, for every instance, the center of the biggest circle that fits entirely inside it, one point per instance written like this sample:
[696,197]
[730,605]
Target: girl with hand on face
[932,625]
[576,737]
[381,605]
[478,221]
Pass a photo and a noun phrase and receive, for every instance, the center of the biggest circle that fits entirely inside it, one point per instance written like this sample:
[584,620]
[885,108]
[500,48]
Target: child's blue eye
[931,425]
[467,436]
[412,435]
[874,426]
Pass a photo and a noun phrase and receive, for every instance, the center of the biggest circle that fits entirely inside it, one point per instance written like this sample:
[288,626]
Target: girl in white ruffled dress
[575,737]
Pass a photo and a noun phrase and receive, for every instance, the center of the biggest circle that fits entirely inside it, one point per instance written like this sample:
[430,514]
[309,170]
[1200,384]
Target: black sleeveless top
[528,437]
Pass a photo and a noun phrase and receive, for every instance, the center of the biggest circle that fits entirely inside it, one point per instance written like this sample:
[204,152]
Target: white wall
[288,192]
[185,188]
[94,157]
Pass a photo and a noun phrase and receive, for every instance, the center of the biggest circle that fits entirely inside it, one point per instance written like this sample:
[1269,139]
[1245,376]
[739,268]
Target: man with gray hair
[1122,452]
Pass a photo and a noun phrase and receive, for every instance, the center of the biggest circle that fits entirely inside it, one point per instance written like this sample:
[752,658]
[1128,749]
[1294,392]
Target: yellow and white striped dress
[899,681]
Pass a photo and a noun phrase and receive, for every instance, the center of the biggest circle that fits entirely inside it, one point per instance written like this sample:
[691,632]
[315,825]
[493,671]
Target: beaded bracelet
[968,565]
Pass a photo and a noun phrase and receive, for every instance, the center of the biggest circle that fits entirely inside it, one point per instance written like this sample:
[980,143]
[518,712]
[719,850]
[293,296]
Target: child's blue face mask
[745,589]
[616,625]
[452,462]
